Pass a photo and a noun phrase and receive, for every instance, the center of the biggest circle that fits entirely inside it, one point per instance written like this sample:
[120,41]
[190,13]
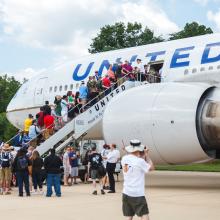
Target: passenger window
[66,87]
[218,67]
[71,87]
[186,71]
[194,70]
[60,88]
[77,85]
[55,88]
[210,67]
[202,69]
[51,89]
[41,91]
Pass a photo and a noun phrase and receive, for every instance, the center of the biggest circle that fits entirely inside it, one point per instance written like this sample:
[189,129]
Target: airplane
[178,119]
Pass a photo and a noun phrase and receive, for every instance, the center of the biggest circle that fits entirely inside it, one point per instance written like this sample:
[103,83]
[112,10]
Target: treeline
[8,88]
[120,35]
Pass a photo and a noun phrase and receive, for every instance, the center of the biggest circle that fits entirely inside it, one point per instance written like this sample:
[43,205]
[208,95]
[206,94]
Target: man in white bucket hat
[135,165]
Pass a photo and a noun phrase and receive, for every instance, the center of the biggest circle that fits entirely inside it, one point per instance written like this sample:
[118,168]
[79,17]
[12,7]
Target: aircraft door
[40,91]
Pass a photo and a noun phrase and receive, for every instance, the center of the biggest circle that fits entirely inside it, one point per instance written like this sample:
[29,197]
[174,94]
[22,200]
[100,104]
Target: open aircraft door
[40,91]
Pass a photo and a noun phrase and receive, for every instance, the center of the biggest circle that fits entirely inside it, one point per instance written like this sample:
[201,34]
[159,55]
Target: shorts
[83,101]
[47,133]
[33,143]
[134,205]
[95,175]
[74,171]
[67,171]
[64,116]
[5,174]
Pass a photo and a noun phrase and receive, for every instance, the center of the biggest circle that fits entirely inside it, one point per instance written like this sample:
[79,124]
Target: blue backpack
[22,163]
[5,159]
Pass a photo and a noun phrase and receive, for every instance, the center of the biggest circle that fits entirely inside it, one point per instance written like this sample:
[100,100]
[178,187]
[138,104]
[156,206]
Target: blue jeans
[23,178]
[53,180]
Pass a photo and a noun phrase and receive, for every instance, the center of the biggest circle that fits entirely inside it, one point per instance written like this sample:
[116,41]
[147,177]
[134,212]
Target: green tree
[191,30]
[8,88]
[119,35]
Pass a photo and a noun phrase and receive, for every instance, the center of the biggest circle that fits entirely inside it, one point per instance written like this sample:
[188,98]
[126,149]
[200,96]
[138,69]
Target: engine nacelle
[179,122]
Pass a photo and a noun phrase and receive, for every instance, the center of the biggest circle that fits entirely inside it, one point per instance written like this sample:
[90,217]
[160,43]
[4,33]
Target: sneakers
[102,192]
[7,193]
[95,192]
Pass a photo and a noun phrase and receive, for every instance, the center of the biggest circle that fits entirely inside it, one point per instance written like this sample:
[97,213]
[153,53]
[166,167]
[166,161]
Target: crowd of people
[25,170]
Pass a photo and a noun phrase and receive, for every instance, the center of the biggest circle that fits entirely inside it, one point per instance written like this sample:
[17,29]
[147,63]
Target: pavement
[170,195]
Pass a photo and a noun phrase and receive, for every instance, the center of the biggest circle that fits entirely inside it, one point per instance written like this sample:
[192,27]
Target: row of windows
[202,69]
[62,88]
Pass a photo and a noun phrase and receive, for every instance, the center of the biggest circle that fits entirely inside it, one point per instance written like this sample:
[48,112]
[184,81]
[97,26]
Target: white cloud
[20,75]
[148,14]
[214,17]
[67,26]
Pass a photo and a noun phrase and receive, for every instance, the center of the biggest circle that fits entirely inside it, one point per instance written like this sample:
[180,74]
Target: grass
[204,167]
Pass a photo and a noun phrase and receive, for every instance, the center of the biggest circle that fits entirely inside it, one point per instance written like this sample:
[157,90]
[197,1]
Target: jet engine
[178,122]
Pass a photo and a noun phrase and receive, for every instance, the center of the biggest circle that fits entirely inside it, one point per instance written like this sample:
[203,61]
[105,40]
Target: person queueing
[135,165]
[52,164]
[95,160]
[37,164]
[22,167]
[66,166]
[5,169]
[73,157]
[112,158]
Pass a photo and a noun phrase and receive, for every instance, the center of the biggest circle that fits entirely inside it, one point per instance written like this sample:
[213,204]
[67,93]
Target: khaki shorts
[134,205]
[5,174]
[47,133]
[33,143]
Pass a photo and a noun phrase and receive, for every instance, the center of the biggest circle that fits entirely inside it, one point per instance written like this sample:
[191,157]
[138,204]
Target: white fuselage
[195,59]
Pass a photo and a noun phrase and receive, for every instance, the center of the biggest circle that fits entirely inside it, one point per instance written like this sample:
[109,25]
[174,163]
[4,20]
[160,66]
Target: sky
[36,35]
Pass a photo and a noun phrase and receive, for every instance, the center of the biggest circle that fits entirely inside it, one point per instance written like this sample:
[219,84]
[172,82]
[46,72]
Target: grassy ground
[205,167]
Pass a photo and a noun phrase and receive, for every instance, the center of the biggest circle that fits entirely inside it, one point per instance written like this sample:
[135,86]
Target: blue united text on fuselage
[180,58]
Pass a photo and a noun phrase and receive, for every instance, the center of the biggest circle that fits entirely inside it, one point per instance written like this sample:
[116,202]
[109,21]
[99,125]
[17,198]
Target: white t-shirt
[66,161]
[140,66]
[134,169]
[113,156]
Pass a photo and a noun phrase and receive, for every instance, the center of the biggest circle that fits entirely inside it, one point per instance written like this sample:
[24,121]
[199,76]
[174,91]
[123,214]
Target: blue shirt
[73,162]
[33,131]
[17,140]
[83,92]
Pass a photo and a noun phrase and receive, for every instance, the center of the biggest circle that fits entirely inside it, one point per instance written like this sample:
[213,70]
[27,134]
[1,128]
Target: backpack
[22,163]
[6,159]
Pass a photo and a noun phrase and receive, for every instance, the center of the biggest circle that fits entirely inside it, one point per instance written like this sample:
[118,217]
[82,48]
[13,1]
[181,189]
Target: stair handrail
[103,92]
[41,131]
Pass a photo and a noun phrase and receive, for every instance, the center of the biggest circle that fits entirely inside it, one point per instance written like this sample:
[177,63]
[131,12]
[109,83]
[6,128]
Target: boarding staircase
[81,124]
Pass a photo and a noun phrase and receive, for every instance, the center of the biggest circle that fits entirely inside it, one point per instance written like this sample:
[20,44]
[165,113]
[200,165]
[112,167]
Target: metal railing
[104,92]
